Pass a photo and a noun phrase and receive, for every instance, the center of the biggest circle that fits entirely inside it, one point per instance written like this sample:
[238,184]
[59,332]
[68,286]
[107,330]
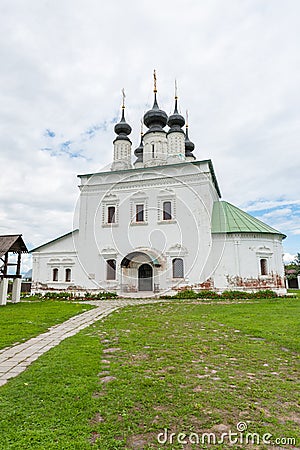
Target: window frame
[165,212]
[111,270]
[139,198]
[139,212]
[111,219]
[55,273]
[110,200]
[174,261]
[68,275]
[167,195]
[264,267]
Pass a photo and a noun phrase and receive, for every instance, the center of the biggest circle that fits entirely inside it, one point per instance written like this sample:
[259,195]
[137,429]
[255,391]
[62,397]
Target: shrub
[267,293]
[187,293]
[105,295]
[226,295]
[207,294]
[58,296]
[235,294]
[67,296]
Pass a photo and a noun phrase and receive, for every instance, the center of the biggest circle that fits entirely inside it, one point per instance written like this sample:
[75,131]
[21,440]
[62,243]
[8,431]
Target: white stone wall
[61,255]
[235,262]
[122,155]
[219,261]
[155,149]
[176,147]
[189,189]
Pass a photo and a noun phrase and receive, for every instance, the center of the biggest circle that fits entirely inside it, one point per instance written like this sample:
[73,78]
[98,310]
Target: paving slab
[15,359]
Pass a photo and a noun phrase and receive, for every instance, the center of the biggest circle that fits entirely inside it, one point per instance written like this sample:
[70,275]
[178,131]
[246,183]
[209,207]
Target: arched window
[55,275]
[111,269]
[263,266]
[167,211]
[68,276]
[177,266]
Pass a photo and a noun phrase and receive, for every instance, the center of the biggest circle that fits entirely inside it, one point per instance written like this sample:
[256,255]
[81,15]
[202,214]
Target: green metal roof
[227,218]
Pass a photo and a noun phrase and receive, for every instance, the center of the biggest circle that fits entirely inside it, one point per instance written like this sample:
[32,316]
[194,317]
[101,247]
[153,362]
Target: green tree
[292,269]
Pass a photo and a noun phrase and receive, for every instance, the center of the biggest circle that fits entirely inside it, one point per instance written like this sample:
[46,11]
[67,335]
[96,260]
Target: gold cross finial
[123,95]
[187,118]
[154,76]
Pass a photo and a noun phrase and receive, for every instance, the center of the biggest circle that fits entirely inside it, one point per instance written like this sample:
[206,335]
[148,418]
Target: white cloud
[288,258]
[237,65]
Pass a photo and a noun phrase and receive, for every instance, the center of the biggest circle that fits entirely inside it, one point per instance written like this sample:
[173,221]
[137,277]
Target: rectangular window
[55,275]
[111,214]
[167,211]
[68,275]
[111,269]
[263,267]
[139,213]
[177,267]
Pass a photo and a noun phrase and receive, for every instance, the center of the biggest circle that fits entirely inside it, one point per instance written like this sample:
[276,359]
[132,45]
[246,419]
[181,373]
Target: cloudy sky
[64,63]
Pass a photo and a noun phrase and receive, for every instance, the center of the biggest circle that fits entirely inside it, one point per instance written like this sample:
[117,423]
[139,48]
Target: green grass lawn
[21,321]
[294,291]
[184,366]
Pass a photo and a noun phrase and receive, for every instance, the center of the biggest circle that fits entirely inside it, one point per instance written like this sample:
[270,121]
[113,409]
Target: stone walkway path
[16,359]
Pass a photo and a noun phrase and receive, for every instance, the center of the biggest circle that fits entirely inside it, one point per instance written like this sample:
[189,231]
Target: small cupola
[155,119]
[189,145]
[122,128]
[122,143]
[139,151]
[176,121]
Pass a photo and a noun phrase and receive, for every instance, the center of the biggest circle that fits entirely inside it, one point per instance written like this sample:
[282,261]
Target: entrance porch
[140,274]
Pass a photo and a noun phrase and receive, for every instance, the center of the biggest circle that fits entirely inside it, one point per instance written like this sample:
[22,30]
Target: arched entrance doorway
[145,278]
[140,271]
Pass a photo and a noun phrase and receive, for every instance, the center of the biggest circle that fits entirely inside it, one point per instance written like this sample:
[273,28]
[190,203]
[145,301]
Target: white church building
[157,225]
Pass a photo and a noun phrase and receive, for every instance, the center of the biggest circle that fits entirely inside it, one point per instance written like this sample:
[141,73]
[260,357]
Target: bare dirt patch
[96,419]
[139,441]
[107,379]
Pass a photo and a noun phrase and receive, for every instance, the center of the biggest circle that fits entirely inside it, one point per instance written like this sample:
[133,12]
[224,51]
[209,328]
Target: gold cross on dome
[123,95]
[154,76]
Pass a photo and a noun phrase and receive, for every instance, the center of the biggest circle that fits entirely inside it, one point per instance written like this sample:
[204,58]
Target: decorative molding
[177,250]
[108,253]
[264,251]
[110,198]
[164,180]
[57,262]
[137,198]
[140,195]
[166,193]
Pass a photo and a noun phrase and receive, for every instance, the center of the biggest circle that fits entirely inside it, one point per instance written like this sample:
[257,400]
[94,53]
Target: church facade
[158,225]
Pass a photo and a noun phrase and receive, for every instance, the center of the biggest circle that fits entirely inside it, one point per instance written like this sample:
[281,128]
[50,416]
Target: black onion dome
[176,121]
[139,151]
[122,129]
[189,145]
[155,119]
